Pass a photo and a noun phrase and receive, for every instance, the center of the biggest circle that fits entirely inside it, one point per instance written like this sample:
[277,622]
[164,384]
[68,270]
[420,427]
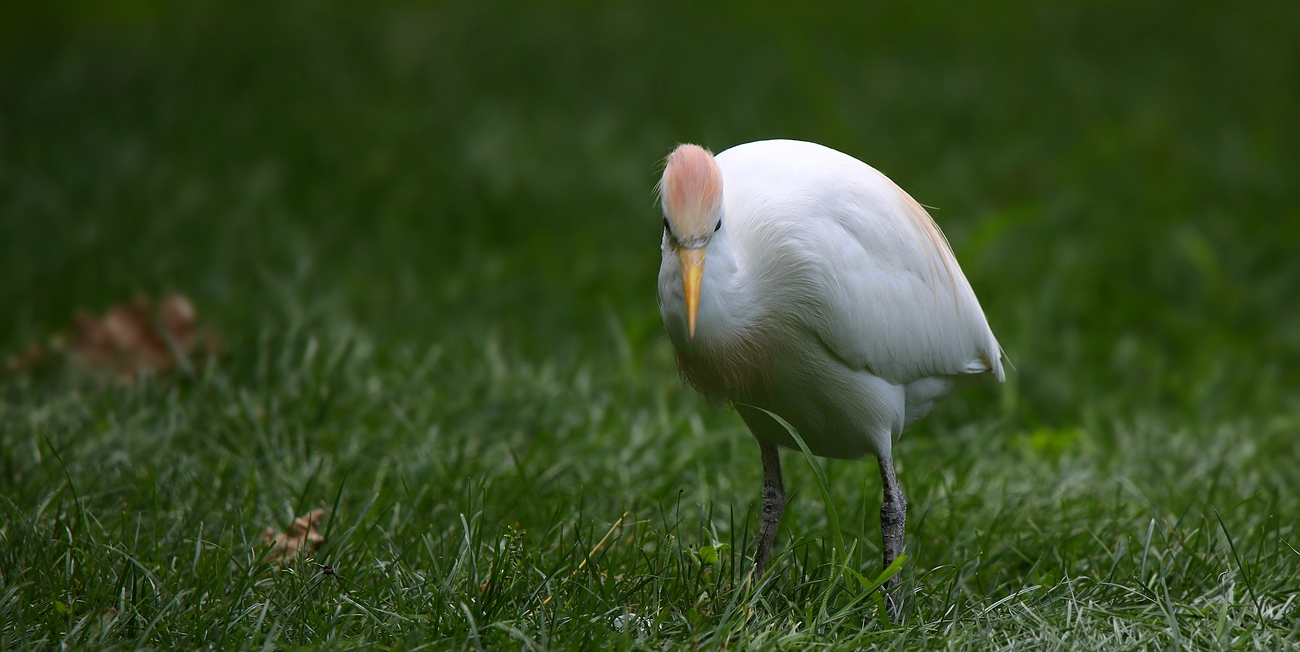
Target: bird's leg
[773,505]
[893,515]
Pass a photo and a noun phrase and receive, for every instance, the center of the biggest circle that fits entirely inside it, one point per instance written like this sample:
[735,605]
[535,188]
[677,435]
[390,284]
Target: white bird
[800,280]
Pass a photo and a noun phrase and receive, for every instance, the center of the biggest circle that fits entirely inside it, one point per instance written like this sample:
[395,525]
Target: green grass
[428,235]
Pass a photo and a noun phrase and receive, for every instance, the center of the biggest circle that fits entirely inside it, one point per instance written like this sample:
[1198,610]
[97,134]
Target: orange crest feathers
[692,191]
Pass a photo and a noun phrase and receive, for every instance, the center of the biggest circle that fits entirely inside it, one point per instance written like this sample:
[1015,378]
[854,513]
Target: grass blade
[833,516]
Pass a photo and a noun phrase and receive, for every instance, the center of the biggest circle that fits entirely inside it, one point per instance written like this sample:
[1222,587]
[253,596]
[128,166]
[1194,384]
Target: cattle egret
[799,280]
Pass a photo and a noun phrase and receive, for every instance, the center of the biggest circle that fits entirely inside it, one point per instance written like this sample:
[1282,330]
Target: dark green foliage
[429,236]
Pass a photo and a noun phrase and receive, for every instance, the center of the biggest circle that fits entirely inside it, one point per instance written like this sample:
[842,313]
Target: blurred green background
[1120,181]
[428,234]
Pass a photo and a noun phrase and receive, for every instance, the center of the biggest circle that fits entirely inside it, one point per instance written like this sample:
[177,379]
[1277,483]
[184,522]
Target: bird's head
[691,191]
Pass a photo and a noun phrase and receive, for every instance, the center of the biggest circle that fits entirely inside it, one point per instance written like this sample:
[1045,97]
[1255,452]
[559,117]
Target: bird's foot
[893,520]
[773,506]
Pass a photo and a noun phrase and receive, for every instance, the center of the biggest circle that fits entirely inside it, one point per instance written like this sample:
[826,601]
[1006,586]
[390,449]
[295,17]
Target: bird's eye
[667,228]
[718,227]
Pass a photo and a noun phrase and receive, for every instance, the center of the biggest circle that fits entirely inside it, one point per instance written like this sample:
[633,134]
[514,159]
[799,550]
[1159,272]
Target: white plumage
[827,295]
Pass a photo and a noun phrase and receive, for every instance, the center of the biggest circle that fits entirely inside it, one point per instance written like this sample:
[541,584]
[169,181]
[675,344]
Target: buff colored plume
[692,192]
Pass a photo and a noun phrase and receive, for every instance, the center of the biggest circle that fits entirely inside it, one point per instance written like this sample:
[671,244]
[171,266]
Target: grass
[427,234]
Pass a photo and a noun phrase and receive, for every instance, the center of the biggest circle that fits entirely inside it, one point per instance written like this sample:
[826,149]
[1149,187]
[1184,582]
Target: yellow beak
[692,272]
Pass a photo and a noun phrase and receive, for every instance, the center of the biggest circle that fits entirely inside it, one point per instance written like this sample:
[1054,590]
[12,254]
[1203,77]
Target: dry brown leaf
[301,539]
[129,339]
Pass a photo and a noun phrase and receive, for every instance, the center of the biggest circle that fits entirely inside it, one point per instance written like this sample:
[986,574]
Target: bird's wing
[872,275]
[898,303]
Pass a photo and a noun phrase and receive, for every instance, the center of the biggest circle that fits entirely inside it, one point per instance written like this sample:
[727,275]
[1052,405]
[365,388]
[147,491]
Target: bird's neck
[726,309]
[726,359]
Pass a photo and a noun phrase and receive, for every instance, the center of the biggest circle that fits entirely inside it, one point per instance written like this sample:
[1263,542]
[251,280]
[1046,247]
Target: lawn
[427,236]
